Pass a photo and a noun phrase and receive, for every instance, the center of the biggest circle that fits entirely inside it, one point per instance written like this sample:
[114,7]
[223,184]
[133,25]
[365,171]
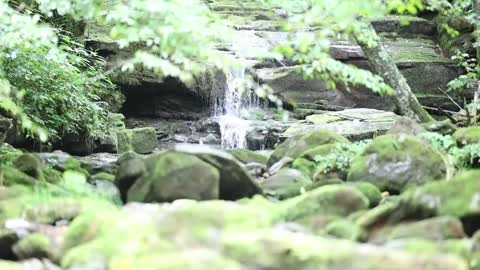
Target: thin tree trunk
[382,63]
[476,9]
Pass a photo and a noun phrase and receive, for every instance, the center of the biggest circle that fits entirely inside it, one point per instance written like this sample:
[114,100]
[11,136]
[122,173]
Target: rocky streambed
[319,200]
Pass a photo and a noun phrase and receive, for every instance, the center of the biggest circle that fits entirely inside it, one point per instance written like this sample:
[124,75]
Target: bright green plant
[341,157]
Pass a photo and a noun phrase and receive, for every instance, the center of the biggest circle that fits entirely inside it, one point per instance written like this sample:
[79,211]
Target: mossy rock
[458,197]
[337,200]
[345,229]
[370,191]
[139,140]
[8,154]
[131,167]
[247,156]
[396,162]
[35,245]
[435,229]
[11,176]
[469,135]
[172,175]
[293,147]
[104,176]
[30,165]
[307,167]
[286,183]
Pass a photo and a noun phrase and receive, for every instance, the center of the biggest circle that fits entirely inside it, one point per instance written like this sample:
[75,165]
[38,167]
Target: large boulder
[459,197]
[395,162]
[235,181]
[293,147]
[172,175]
[140,140]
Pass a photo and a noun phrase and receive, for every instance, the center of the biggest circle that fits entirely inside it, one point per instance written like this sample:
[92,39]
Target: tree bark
[476,9]
[406,102]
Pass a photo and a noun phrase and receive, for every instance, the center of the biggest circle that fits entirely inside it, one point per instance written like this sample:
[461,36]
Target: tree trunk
[382,63]
[476,9]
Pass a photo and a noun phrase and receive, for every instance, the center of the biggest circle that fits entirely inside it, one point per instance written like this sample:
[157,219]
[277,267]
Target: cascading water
[233,109]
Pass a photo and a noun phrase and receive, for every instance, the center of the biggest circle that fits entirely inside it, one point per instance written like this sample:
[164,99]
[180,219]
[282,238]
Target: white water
[233,109]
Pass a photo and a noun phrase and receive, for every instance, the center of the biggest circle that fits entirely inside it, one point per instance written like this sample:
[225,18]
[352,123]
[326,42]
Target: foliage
[471,76]
[56,93]
[460,158]
[341,157]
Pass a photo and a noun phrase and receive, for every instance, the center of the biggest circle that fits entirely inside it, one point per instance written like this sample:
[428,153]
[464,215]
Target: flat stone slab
[355,124]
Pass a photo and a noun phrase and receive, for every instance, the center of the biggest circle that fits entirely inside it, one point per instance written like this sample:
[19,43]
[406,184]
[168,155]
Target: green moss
[469,135]
[294,147]
[414,161]
[247,156]
[104,176]
[140,140]
[35,245]
[307,167]
[370,191]
[73,164]
[338,200]
[458,197]
[8,154]
[345,229]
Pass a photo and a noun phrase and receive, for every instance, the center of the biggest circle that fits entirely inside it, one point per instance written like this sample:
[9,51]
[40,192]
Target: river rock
[395,162]
[295,146]
[140,140]
[337,200]
[286,183]
[235,181]
[173,175]
[435,229]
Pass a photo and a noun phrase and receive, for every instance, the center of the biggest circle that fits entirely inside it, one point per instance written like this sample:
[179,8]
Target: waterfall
[232,111]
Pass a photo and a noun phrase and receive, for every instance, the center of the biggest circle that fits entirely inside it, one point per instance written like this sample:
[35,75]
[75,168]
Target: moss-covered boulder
[396,162]
[345,229]
[35,245]
[435,229]
[173,175]
[370,191]
[30,165]
[286,183]
[337,200]
[139,140]
[293,147]
[247,156]
[459,197]
[131,167]
[468,135]
[235,181]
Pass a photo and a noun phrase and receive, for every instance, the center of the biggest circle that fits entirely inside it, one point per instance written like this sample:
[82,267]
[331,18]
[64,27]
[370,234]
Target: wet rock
[247,156]
[469,135]
[286,183]
[435,229]
[172,175]
[395,162]
[140,140]
[295,146]
[339,200]
[235,181]
[76,144]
